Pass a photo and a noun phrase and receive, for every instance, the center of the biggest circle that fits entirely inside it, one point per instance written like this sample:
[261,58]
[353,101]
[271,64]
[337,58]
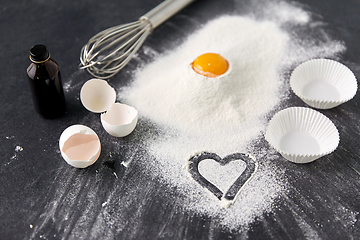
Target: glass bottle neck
[34,61]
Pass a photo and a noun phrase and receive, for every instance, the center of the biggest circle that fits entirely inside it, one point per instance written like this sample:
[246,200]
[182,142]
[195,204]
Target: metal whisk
[110,50]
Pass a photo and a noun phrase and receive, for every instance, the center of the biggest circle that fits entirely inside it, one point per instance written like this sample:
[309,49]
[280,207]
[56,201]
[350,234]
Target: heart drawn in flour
[238,165]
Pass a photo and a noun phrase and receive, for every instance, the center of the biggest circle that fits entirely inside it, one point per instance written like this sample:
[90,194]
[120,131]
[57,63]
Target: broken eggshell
[120,120]
[97,95]
[79,146]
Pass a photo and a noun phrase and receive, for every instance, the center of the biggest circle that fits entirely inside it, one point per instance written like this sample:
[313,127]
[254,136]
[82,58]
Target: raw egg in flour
[79,146]
[210,65]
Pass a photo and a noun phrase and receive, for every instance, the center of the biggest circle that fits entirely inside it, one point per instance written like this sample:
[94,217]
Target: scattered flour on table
[19,149]
[227,114]
[221,176]
[15,156]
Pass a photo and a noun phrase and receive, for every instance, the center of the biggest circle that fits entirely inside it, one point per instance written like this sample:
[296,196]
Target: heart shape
[233,190]
[222,176]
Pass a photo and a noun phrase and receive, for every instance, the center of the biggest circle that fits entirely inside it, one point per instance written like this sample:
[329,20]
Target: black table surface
[42,197]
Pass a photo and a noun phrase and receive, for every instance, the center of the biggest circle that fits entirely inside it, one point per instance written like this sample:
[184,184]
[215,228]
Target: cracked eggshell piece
[97,95]
[120,119]
[79,146]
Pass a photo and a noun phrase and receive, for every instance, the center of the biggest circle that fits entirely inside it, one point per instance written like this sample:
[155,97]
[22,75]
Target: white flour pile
[227,114]
[171,93]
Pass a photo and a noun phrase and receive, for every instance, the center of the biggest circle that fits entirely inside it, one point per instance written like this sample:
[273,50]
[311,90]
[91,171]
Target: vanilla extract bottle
[45,83]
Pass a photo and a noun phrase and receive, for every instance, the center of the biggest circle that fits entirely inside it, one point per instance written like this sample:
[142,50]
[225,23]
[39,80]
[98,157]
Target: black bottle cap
[39,53]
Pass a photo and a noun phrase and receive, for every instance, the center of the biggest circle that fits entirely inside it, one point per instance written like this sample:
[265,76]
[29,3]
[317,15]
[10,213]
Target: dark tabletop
[42,197]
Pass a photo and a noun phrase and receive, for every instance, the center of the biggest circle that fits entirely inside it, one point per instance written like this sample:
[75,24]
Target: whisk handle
[165,10]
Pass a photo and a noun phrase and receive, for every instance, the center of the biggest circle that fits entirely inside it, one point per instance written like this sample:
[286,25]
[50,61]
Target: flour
[227,114]
[19,149]
[171,93]
[221,176]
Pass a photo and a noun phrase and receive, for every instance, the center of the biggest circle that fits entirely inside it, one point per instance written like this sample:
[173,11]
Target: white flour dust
[15,156]
[227,114]
[19,149]
[171,93]
[221,176]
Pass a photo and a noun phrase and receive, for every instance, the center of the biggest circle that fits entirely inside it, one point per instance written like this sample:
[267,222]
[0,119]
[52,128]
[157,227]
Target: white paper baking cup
[323,83]
[302,135]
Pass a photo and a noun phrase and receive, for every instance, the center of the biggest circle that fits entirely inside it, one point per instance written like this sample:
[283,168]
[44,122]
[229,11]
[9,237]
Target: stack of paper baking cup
[323,83]
[302,135]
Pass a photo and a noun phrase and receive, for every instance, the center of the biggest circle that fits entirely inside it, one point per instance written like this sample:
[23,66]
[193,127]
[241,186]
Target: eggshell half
[120,120]
[97,95]
[79,146]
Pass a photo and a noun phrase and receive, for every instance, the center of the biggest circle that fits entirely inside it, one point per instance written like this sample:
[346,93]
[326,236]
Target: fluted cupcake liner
[323,83]
[302,135]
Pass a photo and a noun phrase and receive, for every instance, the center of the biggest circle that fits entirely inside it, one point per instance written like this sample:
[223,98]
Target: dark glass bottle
[45,83]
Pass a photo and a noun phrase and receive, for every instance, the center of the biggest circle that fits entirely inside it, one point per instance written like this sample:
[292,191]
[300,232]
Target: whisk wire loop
[107,52]
[110,50]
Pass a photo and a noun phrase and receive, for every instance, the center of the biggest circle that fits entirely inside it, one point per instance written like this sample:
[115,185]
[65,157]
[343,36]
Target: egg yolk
[210,65]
